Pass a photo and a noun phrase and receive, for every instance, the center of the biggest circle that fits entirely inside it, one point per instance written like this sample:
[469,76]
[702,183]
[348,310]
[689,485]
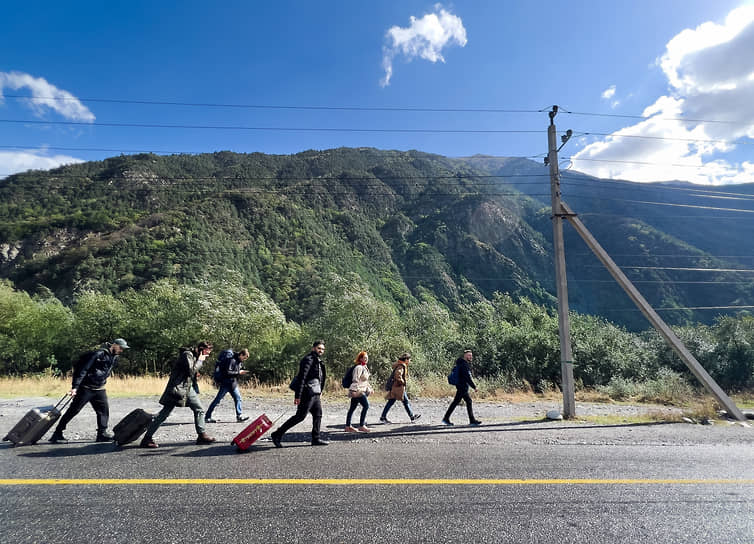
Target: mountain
[411,225]
[661,234]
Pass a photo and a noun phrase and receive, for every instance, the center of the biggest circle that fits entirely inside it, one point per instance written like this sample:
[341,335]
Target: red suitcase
[251,434]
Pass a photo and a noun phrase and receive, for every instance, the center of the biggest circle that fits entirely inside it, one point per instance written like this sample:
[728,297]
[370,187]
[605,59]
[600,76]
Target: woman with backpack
[397,389]
[462,371]
[358,392]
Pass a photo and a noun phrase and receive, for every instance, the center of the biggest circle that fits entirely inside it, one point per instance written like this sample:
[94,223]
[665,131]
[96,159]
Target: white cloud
[45,96]
[424,38]
[710,71]
[12,162]
[608,93]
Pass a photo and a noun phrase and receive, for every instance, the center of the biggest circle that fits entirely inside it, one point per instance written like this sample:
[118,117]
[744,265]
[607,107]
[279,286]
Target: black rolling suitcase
[36,423]
[132,426]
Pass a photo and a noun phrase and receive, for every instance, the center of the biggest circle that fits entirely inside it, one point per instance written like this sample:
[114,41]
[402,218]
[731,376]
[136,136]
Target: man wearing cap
[89,387]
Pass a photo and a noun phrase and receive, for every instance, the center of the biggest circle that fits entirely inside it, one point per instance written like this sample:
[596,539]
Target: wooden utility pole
[564,323]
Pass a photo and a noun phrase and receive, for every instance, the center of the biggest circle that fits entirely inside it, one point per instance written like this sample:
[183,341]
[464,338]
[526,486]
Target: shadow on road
[413,429]
[302,439]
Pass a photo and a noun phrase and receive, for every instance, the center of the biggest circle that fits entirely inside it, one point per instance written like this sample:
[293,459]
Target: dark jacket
[181,379]
[310,368]
[94,373]
[464,374]
[229,371]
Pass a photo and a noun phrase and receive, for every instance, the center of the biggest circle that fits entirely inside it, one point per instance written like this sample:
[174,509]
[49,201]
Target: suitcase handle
[67,398]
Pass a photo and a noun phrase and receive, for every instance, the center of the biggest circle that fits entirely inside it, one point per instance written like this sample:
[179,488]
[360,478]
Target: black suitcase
[132,426]
[36,423]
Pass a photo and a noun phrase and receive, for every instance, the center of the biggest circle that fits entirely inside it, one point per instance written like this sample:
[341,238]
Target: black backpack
[389,382]
[348,378]
[83,359]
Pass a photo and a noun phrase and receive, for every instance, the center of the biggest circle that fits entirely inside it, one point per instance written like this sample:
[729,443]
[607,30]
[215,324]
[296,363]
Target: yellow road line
[364,481]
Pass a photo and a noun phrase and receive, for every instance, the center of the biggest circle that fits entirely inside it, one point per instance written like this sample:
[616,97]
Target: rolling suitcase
[251,433]
[36,423]
[132,426]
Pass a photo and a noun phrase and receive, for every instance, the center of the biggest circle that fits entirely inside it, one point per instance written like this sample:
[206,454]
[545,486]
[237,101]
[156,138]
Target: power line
[664,255]
[653,118]
[278,107]
[716,208]
[645,163]
[668,282]
[279,129]
[671,309]
[359,108]
[697,193]
[677,268]
[664,138]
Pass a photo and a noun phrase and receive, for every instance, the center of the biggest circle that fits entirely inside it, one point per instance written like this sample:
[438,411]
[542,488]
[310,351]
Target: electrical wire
[275,107]
[276,129]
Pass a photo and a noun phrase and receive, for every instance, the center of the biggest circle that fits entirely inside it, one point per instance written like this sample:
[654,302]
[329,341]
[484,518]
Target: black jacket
[94,373]
[464,375]
[310,368]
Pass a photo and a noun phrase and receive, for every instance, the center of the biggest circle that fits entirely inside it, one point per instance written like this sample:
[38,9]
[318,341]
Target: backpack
[453,377]
[83,359]
[389,382]
[348,378]
[221,366]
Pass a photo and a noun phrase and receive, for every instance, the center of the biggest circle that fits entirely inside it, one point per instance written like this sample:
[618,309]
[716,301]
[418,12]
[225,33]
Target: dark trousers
[98,400]
[309,403]
[461,394]
[364,407]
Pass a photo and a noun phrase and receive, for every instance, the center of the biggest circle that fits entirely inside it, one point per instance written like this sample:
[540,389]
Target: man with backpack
[229,366]
[462,376]
[90,375]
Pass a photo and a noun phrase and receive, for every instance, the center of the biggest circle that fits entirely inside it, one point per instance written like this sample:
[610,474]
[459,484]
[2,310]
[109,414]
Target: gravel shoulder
[523,422]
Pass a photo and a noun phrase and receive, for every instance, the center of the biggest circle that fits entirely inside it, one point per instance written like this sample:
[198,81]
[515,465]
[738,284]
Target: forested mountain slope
[412,225]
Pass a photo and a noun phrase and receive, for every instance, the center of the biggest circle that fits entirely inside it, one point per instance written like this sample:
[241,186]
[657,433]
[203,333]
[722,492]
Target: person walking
[180,392]
[88,386]
[398,390]
[462,389]
[307,387]
[229,367]
[359,392]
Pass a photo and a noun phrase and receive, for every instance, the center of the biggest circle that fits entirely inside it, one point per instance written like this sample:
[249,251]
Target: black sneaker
[319,442]
[475,422]
[58,438]
[276,439]
[385,420]
[104,436]
[242,418]
[209,420]
[415,417]
[447,422]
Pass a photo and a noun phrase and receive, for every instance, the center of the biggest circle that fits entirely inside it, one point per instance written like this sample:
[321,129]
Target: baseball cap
[122,343]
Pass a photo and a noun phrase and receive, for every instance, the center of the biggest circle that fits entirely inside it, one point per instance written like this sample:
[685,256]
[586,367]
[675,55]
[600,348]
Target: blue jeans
[364,407]
[225,388]
[406,405]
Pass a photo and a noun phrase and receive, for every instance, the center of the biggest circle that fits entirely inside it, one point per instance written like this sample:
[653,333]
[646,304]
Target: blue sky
[293,75]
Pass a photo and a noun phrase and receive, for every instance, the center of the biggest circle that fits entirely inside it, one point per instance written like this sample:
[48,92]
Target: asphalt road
[507,481]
